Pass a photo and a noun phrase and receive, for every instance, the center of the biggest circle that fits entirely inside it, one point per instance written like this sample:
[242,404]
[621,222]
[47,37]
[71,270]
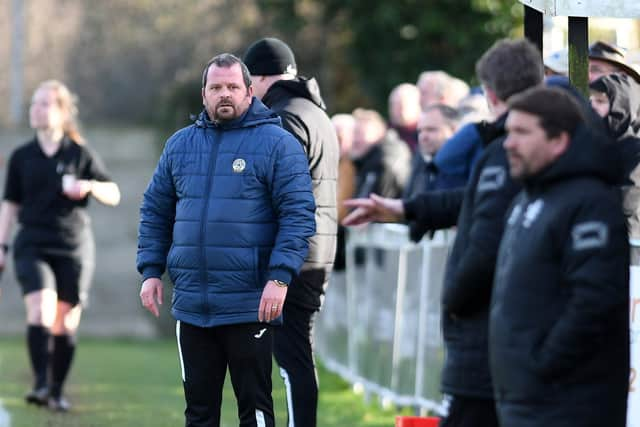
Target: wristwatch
[280,283]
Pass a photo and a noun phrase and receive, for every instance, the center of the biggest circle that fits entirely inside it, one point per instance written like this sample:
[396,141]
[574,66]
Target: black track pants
[205,354]
[293,352]
[470,412]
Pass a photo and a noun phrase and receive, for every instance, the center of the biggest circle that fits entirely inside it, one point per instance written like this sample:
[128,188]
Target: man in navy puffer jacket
[228,213]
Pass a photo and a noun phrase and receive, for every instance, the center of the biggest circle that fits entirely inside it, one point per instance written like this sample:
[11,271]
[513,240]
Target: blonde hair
[68,102]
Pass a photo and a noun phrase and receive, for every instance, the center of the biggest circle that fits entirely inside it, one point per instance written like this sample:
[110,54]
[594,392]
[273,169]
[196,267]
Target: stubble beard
[517,168]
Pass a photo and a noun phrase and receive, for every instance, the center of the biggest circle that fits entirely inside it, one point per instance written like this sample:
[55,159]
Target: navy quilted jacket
[228,208]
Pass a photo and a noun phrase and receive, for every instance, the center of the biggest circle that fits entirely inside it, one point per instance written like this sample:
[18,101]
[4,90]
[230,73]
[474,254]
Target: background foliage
[374,45]
[140,60]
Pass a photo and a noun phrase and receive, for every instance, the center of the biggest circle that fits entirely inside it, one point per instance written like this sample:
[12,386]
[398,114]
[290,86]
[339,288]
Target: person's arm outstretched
[106,192]
[373,209]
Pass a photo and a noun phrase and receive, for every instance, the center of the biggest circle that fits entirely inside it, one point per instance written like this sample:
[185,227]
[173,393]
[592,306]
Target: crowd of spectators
[539,187]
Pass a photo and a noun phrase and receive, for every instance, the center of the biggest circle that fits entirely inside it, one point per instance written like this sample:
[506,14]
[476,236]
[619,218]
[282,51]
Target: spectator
[438,87]
[48,185]
[559,322]
[228,210]
[458,90]
[436,125]
[404,110]
[605,58]
[298,102]
[557,63]
[616,98]
[507,68]
[344,125]
[381,159]
[459,153]
[473,108]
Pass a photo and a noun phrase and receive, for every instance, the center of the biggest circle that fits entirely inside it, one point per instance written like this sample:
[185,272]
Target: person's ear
[492,98]
[560,143]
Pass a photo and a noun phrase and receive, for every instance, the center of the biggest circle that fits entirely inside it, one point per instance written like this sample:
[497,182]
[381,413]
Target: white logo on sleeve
[590,235]
[492,178]
[260,333]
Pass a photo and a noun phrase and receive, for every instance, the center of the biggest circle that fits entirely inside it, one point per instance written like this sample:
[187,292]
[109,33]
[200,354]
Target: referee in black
[47,188]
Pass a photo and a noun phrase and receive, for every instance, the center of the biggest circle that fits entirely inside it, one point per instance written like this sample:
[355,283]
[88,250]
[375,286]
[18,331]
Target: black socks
[63,349]
[59,359]
[38,345]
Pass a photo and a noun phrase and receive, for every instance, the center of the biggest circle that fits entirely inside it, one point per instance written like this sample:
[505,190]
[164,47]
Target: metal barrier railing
[380,325]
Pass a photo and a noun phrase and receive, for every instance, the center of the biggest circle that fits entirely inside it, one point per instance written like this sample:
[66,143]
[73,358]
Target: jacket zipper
[203,223]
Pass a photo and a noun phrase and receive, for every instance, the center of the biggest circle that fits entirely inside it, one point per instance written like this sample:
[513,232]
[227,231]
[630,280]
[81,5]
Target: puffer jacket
[229,207]
[559,318]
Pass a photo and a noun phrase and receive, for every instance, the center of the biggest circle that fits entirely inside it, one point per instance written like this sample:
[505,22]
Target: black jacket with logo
[468,279]
[302,110]
[559,320]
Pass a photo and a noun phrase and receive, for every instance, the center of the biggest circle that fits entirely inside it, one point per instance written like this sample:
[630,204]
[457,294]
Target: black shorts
[68,272]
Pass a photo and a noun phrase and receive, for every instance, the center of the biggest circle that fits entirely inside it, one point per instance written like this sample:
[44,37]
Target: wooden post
[579,53]
[533,26]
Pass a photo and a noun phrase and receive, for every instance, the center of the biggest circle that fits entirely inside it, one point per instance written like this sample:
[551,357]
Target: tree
[377,44]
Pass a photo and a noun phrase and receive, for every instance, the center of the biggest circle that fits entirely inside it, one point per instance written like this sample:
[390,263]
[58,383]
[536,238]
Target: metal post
[533,26]
[422,319]
[579,53]
[398,325]
[17,62]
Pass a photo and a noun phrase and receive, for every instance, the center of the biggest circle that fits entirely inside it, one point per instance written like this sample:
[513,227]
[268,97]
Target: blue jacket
[456,158]
[228,208]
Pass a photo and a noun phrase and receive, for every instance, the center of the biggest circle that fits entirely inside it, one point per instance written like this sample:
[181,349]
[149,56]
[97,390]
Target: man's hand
[150,293]
[271,302]
[373,209]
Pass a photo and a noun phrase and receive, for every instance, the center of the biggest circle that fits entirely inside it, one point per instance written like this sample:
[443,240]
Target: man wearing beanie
[298,102]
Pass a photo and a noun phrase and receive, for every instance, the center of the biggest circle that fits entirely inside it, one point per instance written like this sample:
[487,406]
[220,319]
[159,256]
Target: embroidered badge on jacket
[491,178]
[238,165]
[589,235]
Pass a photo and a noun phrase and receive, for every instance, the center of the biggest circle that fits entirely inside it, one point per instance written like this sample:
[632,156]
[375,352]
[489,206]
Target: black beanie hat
[270,56]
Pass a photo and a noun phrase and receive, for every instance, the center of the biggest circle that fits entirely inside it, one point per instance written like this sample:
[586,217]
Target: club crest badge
[238,165]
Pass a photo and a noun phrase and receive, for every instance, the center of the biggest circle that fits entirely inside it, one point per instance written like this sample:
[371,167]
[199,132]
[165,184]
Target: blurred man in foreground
[559,321]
